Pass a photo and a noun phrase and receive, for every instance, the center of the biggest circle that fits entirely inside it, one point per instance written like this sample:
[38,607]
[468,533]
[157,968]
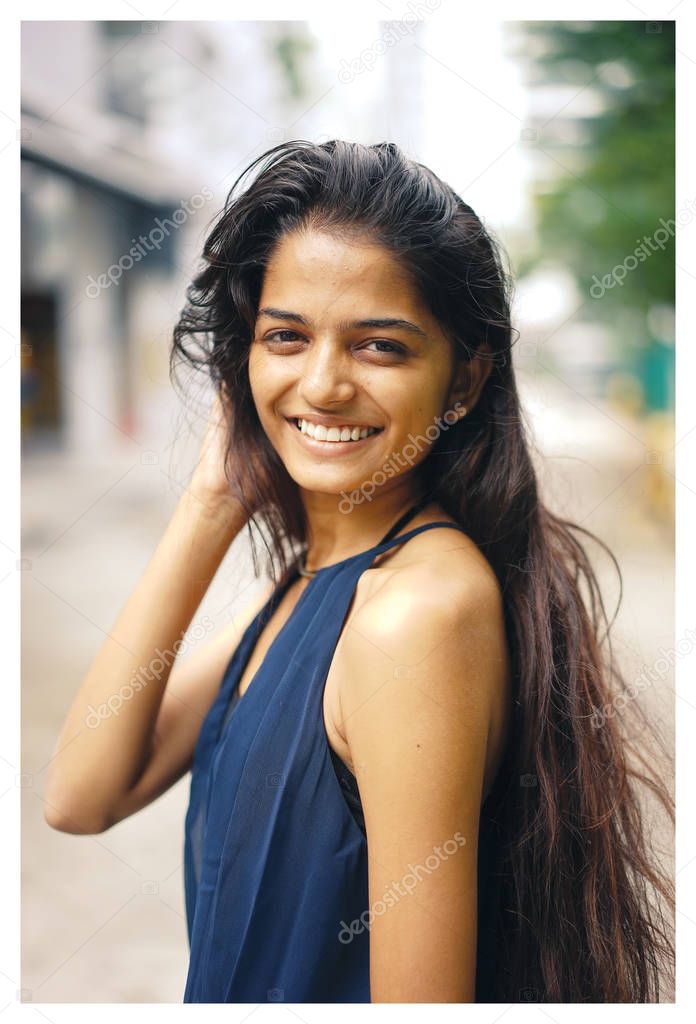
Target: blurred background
[561,137]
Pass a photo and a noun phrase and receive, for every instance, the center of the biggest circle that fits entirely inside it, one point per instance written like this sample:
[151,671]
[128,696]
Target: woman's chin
[326,480]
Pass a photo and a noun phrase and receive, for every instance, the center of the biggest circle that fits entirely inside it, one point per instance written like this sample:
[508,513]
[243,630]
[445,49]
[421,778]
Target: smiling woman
[399,791]
[309,358]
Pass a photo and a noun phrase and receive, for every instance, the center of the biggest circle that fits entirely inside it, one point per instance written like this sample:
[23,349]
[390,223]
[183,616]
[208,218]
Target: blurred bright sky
[475,104]
[475,116]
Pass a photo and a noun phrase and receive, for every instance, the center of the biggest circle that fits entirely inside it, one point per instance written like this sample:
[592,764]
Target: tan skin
[416,701]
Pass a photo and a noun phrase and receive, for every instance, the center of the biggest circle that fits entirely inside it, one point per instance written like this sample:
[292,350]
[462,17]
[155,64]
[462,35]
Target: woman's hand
[209,483]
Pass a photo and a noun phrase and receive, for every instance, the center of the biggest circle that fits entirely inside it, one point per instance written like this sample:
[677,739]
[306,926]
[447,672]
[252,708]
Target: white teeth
[322,433]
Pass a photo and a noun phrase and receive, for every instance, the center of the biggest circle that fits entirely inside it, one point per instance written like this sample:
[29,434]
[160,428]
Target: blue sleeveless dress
[275,851]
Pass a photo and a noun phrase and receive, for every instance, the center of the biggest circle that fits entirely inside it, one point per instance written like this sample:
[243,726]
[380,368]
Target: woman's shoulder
[441,570]
[436,591]
[433,619]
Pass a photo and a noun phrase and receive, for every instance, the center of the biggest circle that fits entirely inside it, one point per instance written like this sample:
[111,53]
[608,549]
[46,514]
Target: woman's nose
[326,376]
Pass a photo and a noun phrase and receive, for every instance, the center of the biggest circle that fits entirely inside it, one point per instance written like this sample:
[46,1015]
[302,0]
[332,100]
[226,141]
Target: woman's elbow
[76,818]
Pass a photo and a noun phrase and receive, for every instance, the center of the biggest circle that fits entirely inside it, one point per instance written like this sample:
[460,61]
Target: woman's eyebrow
[344,325]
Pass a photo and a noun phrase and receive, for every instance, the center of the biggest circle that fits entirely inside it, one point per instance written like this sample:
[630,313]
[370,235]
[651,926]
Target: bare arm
[99,759]
[100,770]
[421,674]
[192,686]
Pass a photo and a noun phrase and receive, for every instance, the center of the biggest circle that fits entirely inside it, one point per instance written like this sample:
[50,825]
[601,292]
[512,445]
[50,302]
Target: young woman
[401,789]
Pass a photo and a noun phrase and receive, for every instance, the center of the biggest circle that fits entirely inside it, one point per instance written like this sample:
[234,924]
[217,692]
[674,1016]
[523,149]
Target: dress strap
[392,542]
[405,518]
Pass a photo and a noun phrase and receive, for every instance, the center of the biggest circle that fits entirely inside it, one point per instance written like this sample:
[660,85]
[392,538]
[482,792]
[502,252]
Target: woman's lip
[329,447]
[331,423]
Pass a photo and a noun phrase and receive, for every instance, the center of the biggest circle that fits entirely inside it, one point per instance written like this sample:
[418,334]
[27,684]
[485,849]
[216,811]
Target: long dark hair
[584,907]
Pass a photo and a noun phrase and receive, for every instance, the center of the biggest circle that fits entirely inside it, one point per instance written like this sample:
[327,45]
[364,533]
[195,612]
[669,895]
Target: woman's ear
[469,378]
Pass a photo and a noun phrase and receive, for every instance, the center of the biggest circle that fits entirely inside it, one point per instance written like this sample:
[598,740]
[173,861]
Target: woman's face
[315,356]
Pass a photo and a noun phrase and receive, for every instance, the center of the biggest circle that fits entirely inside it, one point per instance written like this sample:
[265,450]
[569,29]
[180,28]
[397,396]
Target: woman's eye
[276,336]
[390,347]
[286,336]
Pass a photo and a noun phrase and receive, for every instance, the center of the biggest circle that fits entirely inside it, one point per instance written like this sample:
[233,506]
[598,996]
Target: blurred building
[107,168]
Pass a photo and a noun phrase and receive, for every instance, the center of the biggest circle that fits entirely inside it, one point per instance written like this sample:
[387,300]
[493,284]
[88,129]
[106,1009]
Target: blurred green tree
[607,199]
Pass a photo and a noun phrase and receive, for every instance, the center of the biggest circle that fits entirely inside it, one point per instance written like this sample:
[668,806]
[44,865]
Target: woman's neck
[338,529]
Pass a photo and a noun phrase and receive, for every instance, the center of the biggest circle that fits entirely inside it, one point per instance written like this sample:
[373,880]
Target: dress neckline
[389,535]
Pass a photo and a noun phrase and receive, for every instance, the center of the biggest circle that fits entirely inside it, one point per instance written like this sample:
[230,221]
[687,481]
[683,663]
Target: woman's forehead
[327,273]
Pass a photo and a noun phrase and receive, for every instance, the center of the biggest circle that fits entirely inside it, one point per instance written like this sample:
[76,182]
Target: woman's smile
[332,440]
